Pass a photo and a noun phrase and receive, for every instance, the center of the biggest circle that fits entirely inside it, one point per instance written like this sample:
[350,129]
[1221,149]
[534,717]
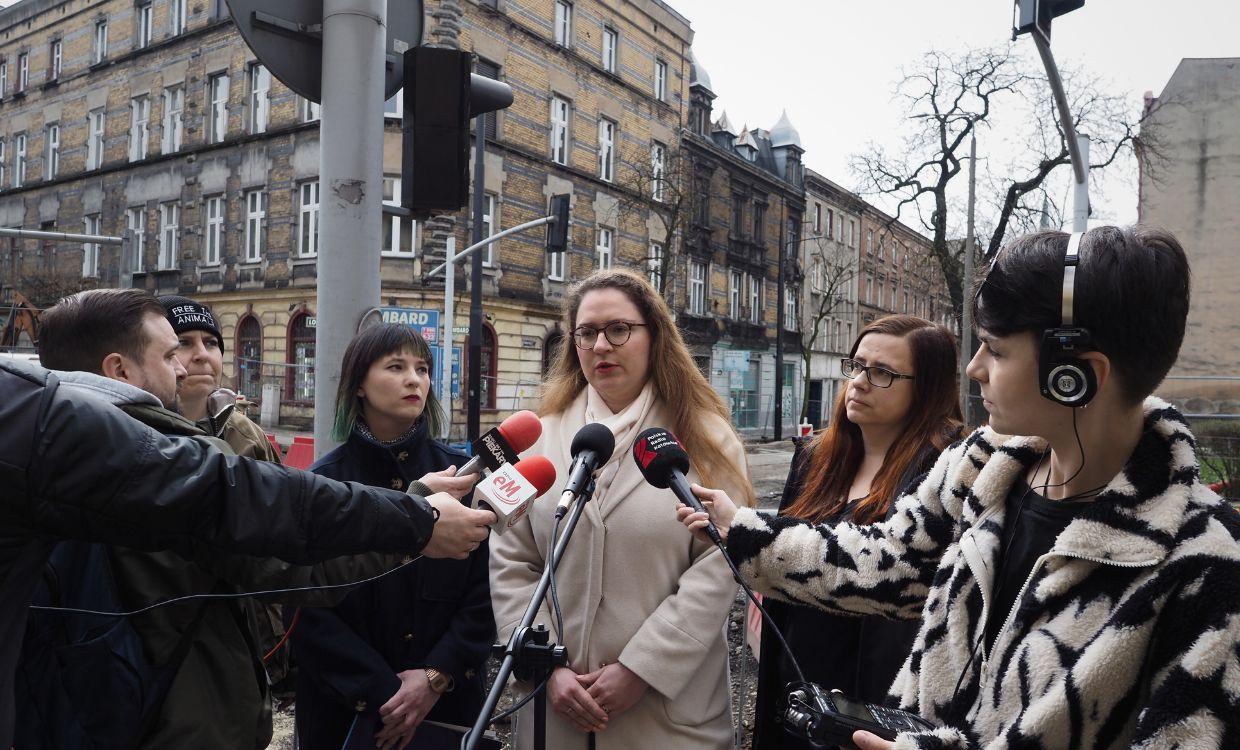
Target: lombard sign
[425,322]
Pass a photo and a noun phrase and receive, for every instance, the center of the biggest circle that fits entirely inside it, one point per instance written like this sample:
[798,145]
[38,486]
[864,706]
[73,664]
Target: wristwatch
[439,682]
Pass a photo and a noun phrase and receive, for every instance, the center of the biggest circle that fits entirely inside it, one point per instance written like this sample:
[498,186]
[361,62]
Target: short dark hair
[1131,293]
[364,350]
[80,330]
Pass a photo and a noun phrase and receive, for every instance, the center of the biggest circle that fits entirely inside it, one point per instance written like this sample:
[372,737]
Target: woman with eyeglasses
[899,410]
[644,604]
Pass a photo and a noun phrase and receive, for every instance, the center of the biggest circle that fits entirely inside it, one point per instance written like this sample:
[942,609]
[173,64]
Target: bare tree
[830,270]
[666,185]
[948,98]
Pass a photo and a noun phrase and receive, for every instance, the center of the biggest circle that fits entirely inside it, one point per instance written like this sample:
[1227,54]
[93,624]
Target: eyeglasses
[616,332]
[879,377]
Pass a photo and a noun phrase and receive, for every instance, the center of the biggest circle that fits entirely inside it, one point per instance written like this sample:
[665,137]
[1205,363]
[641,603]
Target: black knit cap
[187,315]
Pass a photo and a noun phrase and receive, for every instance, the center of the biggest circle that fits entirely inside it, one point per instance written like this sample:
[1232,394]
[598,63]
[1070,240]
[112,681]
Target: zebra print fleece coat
[1125,635]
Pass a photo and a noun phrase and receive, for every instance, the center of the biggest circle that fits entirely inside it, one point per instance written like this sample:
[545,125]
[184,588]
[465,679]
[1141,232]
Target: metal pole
[1061,102]
[966,323]
[351,167]
[778,429]
[473,426]
[449,321]
[1080,195]
[487,241]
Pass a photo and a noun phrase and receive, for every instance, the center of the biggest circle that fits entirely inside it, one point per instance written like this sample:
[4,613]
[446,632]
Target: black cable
[555,597]
[511,710]
[236,595]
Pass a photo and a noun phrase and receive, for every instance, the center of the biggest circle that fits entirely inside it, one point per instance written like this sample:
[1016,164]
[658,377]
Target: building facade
[154,116]
[742,228]
[1190,189]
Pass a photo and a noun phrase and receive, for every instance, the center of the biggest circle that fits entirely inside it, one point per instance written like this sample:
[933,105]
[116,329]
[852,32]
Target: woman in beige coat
[644,604]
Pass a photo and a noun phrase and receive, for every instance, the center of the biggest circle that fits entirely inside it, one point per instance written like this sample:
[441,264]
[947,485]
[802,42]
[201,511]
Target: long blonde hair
[684,391]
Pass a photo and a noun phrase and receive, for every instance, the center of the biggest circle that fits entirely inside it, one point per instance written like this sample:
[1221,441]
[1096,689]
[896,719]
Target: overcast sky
[833,64]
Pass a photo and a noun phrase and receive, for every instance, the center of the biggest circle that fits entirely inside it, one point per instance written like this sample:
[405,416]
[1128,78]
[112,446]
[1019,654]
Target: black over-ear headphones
[1063,376]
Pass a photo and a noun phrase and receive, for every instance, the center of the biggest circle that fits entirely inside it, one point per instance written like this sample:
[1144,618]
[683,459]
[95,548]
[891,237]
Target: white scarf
[624,425]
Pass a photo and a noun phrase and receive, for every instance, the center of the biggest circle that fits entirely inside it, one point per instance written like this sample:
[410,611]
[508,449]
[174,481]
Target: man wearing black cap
[201,352]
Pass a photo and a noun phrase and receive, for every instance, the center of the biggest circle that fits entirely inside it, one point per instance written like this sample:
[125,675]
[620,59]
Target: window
[755,299]
[489,70]
[139,133]
[174,125]
[830,223]
[869,244]
[658,162]
[255,219]
[869,289]
[394,106]
[906,301]
[489,366]
[611,45]
[23,71]
[895,254]
[790,308]
[555,266]
[301,356]
[603,248]
[249,357]
[51,156]
[260,83]
[169,234]
[488,228]
[852,233]
[4,78]
[179,12]
[217,124]
[94,142]
[4,158]
[660,80]
[308,220]
[703,204]
[144,19]
[735,280]
[697,287]
[560,111]
[135,221]
[100,51]
[654,265]
[397,234]
[882,285]
[606,149]
[213,243]
[563,23]
[90,250]
[738,215]
[759,221]
[57,57]
[19,160]
[311,111]
[817,218]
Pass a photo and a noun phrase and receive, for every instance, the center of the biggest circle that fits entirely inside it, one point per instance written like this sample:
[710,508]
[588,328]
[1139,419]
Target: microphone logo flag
[649,446]
[507,490]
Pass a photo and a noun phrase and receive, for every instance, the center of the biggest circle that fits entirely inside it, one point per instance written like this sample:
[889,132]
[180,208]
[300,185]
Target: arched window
[299,375]
[249,357]
[551,348]
[490,348]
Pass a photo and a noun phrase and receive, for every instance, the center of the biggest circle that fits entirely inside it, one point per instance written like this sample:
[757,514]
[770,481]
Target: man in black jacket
[73,466]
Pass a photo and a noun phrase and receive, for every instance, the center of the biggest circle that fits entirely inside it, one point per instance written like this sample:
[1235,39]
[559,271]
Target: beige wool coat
[634,587]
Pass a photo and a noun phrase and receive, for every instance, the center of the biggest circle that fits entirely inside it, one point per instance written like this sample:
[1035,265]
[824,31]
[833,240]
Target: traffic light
[557,230]
[1030,14]
[441,96]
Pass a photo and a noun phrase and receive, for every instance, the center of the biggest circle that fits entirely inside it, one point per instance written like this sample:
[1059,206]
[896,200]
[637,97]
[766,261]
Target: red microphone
[511,489]
[501,445]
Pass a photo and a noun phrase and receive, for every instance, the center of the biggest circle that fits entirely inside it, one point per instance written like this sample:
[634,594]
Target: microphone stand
[529,652]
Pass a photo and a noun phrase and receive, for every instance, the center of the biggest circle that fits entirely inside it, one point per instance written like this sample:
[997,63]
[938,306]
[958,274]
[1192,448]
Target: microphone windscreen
[656,452]
[538,470]
[521,430]
[596,437]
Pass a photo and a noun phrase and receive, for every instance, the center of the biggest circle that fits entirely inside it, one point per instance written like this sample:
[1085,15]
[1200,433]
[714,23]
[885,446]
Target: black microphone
[662,460]
[591,448]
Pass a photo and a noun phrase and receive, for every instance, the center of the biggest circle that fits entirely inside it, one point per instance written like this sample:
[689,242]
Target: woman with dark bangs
[410,646]
[899,410]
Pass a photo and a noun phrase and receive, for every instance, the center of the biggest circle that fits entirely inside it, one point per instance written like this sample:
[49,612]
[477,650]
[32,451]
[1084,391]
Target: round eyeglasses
[879,377]
[616,332]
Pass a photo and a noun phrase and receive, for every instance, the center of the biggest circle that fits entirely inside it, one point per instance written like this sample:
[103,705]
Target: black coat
[75,467]
[433,613]
[858,655]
